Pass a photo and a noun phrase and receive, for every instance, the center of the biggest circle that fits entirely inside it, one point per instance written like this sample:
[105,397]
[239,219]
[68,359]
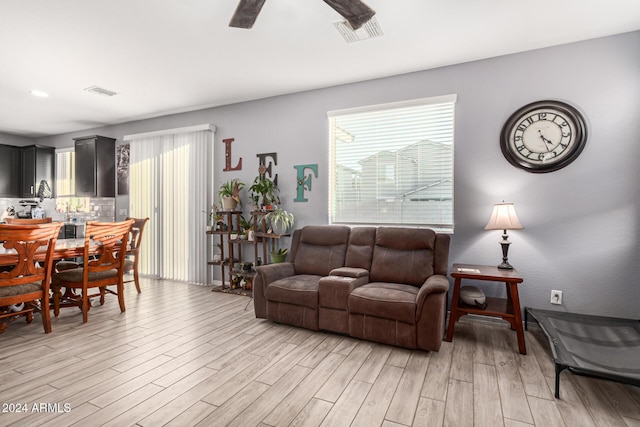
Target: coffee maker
[27,206]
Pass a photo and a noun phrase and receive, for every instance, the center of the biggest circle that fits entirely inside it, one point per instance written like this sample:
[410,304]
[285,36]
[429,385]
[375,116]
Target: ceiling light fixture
[368,30]
[39,93]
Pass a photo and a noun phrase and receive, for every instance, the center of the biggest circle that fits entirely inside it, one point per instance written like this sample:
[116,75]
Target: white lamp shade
[503,217]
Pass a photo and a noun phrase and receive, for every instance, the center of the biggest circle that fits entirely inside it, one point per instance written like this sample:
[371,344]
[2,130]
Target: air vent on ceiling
[100,91]
[367,31]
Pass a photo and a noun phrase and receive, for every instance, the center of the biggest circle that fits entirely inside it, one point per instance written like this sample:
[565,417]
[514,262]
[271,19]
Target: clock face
[543,136]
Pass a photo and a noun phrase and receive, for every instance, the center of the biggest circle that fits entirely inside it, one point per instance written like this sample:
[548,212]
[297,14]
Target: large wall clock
[543,136]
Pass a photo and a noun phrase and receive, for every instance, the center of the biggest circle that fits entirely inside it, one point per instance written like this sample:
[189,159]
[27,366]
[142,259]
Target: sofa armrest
[349,272]
[266,274]
[272,272]
[436,284]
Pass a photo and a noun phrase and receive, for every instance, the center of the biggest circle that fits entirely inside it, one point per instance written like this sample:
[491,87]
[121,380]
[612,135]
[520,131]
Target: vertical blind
[65,172]
[169,183]
[392,164]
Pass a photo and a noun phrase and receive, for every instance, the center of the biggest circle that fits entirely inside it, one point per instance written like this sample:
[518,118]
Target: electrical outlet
[556,297]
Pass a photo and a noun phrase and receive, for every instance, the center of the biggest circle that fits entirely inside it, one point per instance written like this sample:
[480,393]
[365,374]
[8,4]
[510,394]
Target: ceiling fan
[354,11]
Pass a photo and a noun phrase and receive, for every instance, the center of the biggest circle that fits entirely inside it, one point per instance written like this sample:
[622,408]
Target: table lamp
[503,217]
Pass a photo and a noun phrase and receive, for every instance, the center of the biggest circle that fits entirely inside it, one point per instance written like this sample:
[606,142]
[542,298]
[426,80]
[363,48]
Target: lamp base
[505,266]
[505,251]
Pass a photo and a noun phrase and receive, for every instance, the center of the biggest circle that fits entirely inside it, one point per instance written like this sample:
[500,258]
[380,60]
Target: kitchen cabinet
[95,158]
[9,171]
[37,163]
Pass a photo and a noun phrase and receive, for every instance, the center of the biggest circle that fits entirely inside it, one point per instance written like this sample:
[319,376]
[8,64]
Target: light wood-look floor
[182,355]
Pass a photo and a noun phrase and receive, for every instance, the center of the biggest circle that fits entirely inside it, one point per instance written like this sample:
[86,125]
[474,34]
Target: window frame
[336,134]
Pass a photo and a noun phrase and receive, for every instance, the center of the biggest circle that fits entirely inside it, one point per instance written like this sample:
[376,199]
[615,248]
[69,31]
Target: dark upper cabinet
[37,163]
[95,166]
[9,171]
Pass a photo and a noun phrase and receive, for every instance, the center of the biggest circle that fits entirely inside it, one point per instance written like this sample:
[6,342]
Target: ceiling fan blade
[246,13]
[354,11]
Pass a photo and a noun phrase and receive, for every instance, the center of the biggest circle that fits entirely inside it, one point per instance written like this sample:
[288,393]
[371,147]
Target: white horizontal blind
[65,172]
[393,164]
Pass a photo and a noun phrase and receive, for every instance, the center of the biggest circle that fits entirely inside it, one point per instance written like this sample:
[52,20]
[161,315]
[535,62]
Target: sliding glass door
[170,182]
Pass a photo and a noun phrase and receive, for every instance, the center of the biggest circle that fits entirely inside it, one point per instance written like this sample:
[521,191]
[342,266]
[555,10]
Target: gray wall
[581,222]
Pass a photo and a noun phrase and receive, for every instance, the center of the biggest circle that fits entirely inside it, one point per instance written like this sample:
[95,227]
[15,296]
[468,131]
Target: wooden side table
[507,309]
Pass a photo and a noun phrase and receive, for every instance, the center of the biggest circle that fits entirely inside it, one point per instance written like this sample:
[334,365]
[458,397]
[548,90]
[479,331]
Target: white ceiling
[169,56]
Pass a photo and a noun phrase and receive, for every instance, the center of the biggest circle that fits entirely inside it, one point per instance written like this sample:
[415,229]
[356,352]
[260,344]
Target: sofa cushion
[394,301]
[321,249]
[301,289]
[403,255]
[360,249]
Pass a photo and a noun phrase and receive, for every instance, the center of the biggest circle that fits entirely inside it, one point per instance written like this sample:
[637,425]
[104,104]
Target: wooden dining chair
[28,221]
[131,263]
[26,281]
[106,269]
[57,265]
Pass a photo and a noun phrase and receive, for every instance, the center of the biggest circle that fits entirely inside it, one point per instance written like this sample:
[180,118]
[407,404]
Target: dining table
[65,248]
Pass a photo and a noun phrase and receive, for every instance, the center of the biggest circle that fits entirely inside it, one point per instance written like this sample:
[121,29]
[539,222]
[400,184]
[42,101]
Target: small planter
[229,203]
[229,194]
[279,229]
[280,221]
[277,258]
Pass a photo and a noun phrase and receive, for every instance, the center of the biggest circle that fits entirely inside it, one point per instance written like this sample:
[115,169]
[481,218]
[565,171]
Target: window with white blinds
[65,172]
[392,164]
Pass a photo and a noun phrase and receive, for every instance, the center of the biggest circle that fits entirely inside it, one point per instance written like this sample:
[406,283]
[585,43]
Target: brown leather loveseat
[384,284]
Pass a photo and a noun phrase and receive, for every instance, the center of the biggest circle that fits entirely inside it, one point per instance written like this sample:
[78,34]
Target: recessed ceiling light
[39,93]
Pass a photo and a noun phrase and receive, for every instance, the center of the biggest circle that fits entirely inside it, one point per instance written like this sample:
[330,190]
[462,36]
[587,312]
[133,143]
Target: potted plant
[279,256]
[244,226]
[280,221]
[247,227]
[229,194]
[264,191]
[212,218]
